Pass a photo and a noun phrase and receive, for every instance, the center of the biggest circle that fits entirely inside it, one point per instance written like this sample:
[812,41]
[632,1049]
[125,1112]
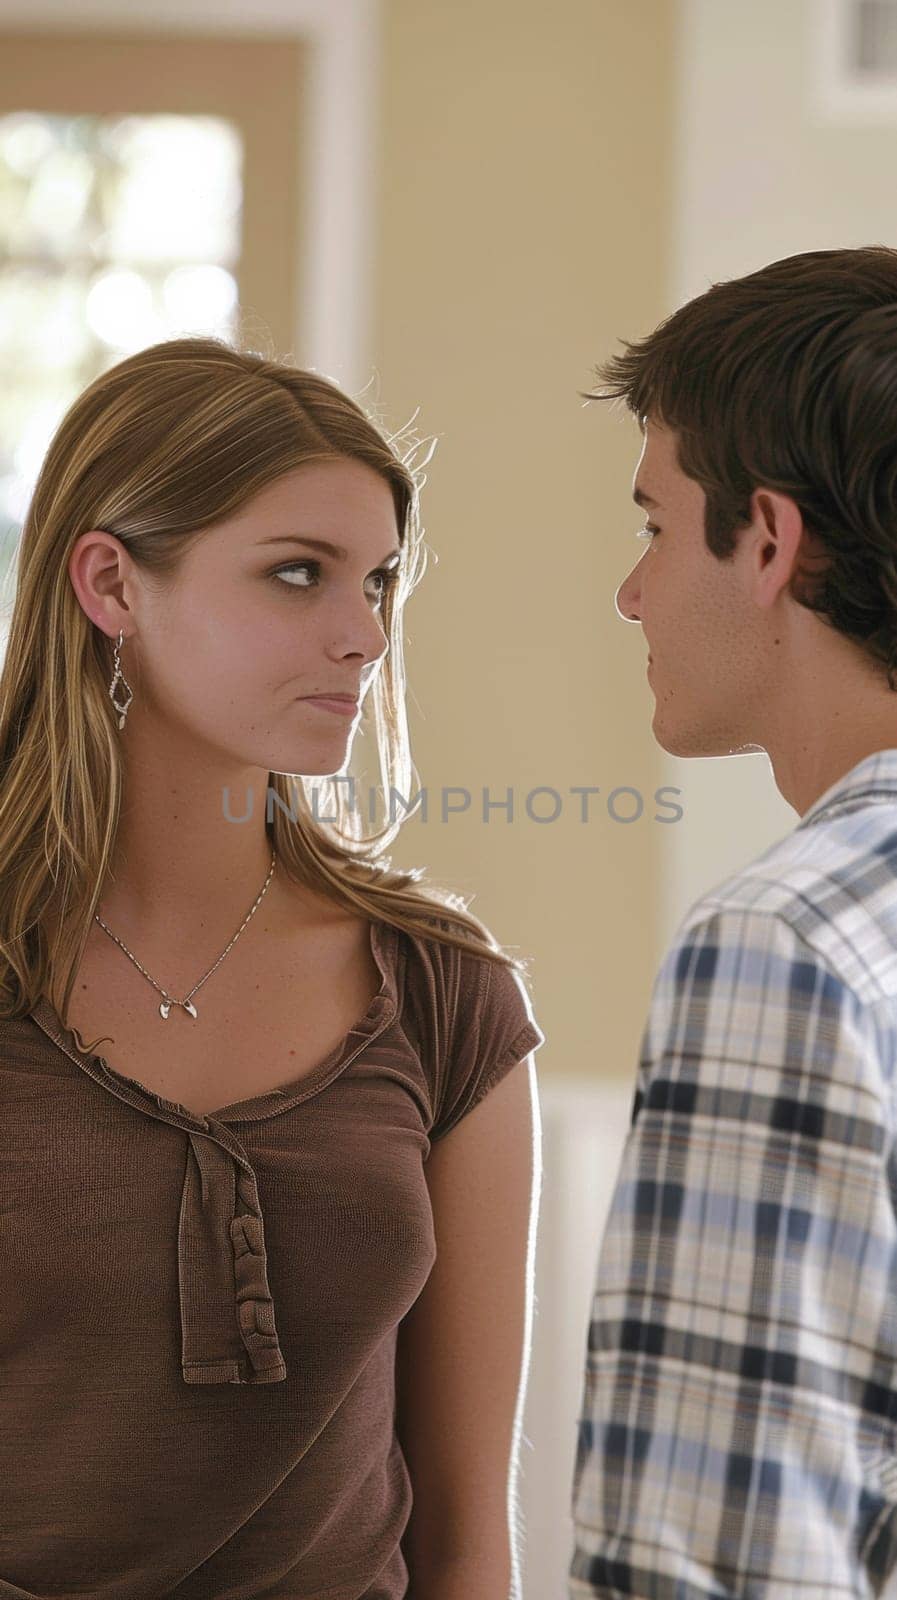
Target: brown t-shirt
[199,1313]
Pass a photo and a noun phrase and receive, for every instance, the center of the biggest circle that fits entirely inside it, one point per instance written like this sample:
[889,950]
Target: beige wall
[524,217]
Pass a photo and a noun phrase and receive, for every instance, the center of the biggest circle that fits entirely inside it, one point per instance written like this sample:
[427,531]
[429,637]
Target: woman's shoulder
[469,978]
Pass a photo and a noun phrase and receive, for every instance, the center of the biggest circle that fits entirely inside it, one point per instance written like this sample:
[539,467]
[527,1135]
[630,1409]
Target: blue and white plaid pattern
[738,1428]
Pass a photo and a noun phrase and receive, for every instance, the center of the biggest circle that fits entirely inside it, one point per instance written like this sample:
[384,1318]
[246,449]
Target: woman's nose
[366,638]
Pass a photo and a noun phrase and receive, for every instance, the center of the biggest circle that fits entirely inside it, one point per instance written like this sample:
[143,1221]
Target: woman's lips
[343,708]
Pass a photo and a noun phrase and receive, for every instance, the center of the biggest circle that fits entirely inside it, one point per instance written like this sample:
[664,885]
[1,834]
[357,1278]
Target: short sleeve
[492,1029]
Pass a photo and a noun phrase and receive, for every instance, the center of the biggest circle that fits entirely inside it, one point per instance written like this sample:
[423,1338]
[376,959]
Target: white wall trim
[585,1124]
[339,143]
[837,96]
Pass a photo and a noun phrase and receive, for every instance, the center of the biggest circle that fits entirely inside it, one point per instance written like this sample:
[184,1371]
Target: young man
[738,1430]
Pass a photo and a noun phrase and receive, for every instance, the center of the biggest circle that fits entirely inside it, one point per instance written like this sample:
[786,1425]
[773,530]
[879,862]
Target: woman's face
[258,621]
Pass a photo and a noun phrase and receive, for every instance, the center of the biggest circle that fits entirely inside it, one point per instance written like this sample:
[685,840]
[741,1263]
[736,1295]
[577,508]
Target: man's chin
[697,742]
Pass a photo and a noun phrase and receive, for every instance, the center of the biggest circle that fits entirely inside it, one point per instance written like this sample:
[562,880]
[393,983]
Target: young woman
[267,1282]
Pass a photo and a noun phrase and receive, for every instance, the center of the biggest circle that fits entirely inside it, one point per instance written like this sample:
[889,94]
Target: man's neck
[805,773]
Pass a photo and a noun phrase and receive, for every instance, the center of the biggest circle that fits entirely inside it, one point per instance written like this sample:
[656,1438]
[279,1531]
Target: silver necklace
[167,1000]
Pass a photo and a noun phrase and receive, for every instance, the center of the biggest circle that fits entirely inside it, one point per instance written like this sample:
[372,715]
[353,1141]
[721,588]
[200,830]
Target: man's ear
[775,546]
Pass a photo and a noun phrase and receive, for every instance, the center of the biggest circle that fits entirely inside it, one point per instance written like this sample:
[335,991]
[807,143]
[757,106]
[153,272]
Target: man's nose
[627,599]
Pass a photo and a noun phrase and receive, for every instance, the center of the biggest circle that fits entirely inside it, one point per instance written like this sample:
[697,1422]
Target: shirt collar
[873,779]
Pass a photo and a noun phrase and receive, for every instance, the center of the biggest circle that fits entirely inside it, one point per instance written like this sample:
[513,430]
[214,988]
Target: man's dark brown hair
[787,379]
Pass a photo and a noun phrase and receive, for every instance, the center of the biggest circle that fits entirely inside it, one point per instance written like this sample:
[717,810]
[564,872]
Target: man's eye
[647,532]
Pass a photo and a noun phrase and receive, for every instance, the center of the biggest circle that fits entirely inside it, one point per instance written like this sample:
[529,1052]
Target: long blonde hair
[163,445]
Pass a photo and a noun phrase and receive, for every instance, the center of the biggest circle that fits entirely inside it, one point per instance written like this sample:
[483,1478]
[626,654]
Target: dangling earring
[119,677]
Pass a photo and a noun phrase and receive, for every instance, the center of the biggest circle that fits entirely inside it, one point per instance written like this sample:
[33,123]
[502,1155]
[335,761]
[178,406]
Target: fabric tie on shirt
[222,1264]
[221,1244]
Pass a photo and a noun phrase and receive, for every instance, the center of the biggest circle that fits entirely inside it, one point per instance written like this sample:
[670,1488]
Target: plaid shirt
[738,1428]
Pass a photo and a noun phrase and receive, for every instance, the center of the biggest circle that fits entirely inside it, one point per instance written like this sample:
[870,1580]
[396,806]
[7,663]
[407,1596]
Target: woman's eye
[295,566]
[384,578]
[647,532]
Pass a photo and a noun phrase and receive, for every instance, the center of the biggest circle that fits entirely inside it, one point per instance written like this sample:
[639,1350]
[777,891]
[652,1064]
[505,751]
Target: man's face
[706,668]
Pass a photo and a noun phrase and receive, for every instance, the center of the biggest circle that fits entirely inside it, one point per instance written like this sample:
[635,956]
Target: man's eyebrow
[334,550]
[643,499]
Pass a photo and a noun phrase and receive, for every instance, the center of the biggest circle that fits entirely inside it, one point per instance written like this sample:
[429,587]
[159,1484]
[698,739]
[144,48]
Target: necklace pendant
[166,1006]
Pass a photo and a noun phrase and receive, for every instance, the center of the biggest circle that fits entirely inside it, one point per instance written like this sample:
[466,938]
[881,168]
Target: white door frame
[338,139]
